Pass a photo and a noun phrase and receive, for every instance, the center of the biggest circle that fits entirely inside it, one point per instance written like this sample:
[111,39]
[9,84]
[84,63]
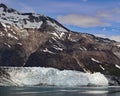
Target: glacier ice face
[30,76]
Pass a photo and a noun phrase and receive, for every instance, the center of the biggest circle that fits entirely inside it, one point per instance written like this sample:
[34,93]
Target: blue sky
[98,17]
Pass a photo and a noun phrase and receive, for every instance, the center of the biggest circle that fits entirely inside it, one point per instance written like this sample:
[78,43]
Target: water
[59,91]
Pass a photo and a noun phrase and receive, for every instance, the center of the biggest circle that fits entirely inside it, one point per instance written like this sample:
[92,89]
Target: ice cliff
[31,76]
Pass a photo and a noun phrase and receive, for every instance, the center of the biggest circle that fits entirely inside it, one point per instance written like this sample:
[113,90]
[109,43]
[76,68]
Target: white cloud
[81,20]
[103,14]
[101,35]
[117,10]
[116,38]
[109,15]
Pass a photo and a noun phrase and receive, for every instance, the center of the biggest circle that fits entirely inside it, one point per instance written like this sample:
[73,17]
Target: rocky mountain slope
[29,40]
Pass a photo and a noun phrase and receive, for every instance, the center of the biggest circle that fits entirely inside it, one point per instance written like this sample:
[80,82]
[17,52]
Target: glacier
[36,76]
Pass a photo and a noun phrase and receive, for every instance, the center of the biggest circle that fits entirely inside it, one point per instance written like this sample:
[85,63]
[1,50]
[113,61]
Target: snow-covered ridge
[30,76]
[25,20]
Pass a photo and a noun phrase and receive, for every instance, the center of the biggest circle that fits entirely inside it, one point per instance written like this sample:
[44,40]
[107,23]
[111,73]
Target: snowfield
[31,76]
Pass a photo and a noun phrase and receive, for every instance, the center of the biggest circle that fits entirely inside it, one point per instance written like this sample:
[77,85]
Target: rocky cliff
[30,40]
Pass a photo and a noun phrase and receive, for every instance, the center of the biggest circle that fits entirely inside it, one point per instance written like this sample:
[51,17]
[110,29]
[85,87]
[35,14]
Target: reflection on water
[59,91]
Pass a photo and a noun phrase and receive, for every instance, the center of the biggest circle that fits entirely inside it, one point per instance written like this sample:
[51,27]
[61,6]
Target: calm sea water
[59,91]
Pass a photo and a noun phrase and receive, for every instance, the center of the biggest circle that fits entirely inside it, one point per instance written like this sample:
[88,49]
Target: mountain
[34,40]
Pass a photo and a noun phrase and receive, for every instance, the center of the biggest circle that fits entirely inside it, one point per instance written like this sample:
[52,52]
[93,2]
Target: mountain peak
[7,9]
[3,5]
[28,20]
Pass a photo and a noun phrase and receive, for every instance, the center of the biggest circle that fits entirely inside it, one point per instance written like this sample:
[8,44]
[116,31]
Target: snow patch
[3,25]
[59,35]
[33,25]
[1,9]
[30,76]
[46,50]
[1,34]
[95,60]
[55,34]
[7,45]
[70,38]
[59,28]
[19,43]
[83,48]
[53,38]
[73,40]
[57,48]
[13,32]
[117,66]
[102,67]
[62,34]
[12,36]
[18,20]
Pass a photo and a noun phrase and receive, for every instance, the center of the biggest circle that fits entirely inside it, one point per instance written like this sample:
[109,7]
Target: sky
[98,17]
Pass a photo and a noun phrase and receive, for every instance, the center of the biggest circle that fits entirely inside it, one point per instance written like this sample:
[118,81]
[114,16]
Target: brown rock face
[35,40]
